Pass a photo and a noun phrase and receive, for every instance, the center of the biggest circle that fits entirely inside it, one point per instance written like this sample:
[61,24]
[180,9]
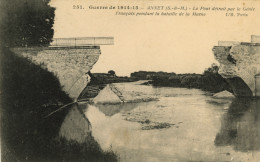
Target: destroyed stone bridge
[70,59]
[240,65]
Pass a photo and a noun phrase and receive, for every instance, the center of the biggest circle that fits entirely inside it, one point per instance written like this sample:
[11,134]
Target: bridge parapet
[82,41]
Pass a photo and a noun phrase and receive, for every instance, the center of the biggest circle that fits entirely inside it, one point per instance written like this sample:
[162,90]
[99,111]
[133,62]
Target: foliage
[211,70]
[112,72]
[27,23]
[209,81]
[144,75]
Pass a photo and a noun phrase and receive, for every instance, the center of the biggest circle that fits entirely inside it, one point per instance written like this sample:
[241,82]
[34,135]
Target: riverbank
[29,93]
[212,82]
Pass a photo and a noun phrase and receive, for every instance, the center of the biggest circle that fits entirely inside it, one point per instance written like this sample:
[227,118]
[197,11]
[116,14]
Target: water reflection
[112,109]
[75,125]
[240,126]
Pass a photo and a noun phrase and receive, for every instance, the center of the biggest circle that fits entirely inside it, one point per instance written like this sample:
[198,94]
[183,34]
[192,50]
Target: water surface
[183,125]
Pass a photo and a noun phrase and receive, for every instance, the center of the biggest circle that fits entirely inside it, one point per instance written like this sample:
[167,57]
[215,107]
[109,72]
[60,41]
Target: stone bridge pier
[240,65]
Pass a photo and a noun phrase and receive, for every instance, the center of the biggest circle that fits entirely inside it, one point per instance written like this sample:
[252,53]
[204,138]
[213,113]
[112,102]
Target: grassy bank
[28,94]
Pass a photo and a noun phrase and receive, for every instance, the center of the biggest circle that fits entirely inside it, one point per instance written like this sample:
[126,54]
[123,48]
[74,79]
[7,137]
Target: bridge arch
[239,87]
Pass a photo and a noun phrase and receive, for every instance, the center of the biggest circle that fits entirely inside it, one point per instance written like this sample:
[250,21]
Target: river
[183,125]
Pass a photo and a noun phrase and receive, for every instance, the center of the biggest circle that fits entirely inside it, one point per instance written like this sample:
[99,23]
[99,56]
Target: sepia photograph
[130,80]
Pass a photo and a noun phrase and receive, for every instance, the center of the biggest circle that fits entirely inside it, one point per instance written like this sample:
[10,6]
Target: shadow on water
[112,109]
[219,102]
[240,126]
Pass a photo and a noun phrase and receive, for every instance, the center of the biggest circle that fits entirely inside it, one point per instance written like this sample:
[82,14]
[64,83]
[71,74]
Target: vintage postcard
[130,80]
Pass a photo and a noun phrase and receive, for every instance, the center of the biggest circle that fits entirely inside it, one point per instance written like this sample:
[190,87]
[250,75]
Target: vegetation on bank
[110,77]
[210,80]
[28,94]
[26,23]
[108,80]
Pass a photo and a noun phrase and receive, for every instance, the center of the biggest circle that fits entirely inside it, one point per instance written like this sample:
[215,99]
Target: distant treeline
[210,80]
[147,75]
[107,78]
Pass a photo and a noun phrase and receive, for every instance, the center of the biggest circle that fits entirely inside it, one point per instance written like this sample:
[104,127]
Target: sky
[170,44]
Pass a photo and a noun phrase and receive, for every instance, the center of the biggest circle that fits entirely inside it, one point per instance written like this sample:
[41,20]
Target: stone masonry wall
[70,65]
[241,61]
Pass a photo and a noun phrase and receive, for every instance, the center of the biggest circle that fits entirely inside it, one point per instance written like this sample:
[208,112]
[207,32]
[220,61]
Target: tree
[211,70]
[27,23]
[112,72]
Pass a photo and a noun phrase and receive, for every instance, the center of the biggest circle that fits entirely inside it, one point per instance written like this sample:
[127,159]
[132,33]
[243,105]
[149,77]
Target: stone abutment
[69,64]
[239,65]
